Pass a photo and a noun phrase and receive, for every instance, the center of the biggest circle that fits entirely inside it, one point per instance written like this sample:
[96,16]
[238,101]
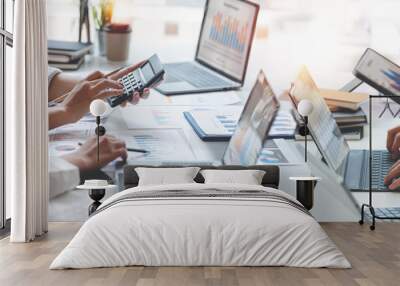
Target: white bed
[188,231]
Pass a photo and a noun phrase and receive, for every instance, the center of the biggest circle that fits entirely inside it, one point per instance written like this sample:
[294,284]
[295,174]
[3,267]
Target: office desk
[203,151]
[281,45]
[213,151]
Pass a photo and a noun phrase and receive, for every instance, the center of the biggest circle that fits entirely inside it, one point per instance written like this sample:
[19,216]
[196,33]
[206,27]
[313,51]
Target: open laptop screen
[253,126]
[226,36]
[321,123]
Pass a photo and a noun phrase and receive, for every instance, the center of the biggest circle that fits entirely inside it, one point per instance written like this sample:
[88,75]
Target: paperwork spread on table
[63,143]
[209,99]
[143,117]
[163,145]
[87,124]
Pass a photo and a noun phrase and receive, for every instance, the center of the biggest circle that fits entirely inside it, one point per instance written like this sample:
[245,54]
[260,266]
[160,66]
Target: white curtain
[27,123]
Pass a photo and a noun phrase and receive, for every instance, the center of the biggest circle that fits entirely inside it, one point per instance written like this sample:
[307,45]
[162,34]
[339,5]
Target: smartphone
[149,74]
[379,72]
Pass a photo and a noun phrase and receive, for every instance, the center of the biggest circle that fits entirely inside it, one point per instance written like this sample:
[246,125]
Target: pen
[137,150]
[114,72]
[62,97]
[128,149]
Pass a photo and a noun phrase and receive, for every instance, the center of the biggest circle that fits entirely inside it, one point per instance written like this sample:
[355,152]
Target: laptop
[252,129]
[352,166]
[253,125]
[222,54]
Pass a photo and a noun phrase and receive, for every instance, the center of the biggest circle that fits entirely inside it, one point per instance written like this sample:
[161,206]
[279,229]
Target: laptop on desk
[351,166]
[223,50]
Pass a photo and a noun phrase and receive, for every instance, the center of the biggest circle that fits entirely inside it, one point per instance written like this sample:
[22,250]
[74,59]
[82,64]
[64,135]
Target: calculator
[150,73]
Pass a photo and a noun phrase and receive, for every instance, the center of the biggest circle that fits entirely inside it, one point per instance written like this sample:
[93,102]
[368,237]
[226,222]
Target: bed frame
[270,179]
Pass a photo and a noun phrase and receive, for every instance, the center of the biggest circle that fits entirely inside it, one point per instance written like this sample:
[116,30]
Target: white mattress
[200,231]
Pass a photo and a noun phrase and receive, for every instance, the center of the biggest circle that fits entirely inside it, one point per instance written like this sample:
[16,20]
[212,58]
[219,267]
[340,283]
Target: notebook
[70,49]
[349,100]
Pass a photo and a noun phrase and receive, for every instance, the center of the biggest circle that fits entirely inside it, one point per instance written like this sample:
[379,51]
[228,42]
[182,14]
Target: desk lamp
[97,188]
[305,108]
[98,108]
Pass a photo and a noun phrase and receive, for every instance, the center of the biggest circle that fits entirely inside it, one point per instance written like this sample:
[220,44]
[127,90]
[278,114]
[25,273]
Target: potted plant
[102,11]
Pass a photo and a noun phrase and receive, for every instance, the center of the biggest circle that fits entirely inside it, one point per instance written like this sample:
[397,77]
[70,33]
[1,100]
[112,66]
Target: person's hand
[85,158]
[393,142]
[392,179]
[77,101]
[136,96]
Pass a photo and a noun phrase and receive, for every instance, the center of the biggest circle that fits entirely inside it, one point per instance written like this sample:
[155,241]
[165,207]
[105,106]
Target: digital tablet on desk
[379,72]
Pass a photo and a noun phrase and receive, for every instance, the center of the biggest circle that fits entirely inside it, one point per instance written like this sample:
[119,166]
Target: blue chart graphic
[283,126]
[228,32]
[228,123]
[394,76]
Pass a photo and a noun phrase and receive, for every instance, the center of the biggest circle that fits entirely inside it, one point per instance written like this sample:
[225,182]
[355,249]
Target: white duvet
[193,231]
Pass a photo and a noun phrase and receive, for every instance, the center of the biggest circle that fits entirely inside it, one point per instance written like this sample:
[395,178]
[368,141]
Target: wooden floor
[375,257]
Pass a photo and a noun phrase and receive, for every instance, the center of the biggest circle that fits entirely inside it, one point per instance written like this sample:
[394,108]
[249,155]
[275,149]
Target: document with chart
[162,145]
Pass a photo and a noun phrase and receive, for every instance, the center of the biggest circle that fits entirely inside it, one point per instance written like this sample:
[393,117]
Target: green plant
[102,13]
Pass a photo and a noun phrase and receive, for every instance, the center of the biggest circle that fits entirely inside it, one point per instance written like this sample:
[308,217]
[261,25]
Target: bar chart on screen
[229,32]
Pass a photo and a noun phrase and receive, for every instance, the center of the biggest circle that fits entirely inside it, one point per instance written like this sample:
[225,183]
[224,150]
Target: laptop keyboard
[381,163]
[194,75]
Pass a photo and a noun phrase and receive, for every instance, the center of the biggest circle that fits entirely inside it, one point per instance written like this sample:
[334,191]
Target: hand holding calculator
[149,74]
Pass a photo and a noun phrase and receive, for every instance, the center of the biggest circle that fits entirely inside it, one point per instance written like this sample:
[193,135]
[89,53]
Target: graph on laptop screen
[322,125]
[226,35]
[253,126]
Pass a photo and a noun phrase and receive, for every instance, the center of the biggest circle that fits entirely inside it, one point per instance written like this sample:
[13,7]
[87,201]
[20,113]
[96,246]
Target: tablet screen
[379,72]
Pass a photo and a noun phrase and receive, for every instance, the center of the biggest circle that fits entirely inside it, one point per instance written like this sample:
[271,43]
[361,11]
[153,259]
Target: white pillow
[248,177]
[166,176]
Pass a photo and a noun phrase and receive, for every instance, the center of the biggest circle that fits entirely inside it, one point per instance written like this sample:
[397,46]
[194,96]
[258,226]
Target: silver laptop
[251,132]
[253,126]
[222,54]
[351,166]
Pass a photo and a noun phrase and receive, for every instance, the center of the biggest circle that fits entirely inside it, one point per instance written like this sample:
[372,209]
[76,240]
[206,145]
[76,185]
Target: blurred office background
[327,36]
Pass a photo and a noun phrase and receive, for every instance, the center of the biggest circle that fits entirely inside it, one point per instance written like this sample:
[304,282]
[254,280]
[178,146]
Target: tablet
[379,72]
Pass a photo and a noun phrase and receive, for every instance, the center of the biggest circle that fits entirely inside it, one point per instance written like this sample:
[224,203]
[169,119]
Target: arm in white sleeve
[63,176]
[51,73]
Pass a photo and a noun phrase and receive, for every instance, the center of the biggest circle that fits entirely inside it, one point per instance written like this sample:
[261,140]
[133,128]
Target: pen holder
[117,42]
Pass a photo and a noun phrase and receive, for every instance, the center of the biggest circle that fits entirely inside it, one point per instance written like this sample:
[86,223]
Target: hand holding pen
[137,150]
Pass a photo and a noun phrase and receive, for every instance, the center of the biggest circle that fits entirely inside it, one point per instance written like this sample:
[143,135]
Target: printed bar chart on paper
[162,145]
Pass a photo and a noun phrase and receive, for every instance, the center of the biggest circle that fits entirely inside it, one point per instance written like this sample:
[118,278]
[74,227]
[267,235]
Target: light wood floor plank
[375,257]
